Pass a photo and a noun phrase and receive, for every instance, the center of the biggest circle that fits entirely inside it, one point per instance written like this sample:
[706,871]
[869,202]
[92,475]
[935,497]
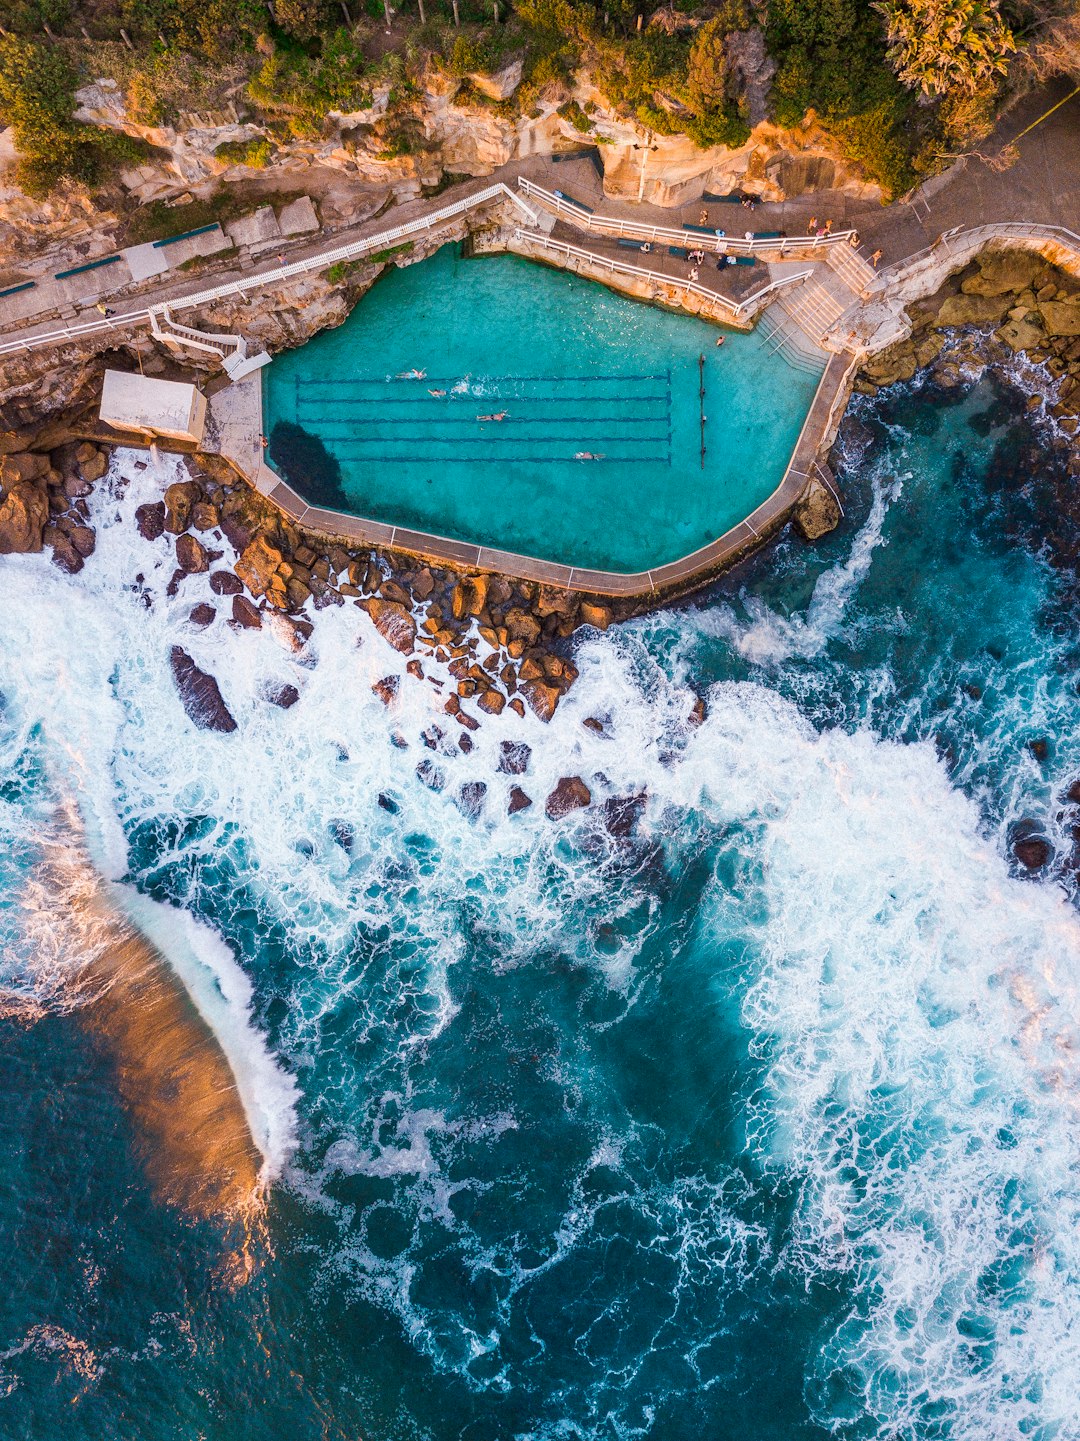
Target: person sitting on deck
[694,273]
[704,219]
[646,249]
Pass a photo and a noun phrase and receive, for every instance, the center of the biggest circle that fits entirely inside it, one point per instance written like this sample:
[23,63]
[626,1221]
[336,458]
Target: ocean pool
[574,370]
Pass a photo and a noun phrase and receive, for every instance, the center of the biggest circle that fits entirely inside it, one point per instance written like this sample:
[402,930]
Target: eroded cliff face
[458,127]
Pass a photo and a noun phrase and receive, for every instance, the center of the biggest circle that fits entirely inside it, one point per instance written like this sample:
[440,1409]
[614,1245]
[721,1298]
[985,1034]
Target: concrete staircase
[231,349]
[856,273]
[813,309]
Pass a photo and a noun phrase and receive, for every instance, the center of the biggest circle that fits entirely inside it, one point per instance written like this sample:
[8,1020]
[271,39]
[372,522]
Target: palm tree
[942,46]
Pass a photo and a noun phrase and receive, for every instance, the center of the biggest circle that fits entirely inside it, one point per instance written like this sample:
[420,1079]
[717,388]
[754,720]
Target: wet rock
[521,626]
[1072,795]
[594,724]
[179,499]
[519,801]
[94,466]
[225,582]
[390,590]
[283,696]
[471,798]
[82,538]
[517,705]
[190,555]
[202,614]
[200,694]
[1032,852]
[1020,335]
[698,712]
[1040,749]
[423,584]
[24,512]
[571,794]
[387,688]
[344,834]
[394,624]
[465,743]
[65,556]
[389,805]
[595,615]
[75,488]
[150,519]
[430,774]
[621,814]
[245,614]
[258,565]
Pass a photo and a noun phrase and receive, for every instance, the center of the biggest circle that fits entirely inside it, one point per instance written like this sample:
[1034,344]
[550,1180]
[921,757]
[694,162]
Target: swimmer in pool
[461,387]
[413,374]
[499,415]
[436,393]
[586,455]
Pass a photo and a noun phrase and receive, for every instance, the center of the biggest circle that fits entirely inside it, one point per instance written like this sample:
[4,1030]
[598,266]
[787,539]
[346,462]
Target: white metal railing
[636,229]
[735,308]
[973,236]
[355,250]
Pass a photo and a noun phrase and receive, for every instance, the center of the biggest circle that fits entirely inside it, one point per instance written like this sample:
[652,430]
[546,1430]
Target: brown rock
[423,584]
[415,669]
[150,519]
[394,623]
[257,565]
[595,615]
[492,701]
[1032,852]
[517,705]
[817,511]
[471,798]
[222,582]
[180,497]
[24,512]
[27,466]
[83,539]
[519,801]
[75,488]
[530,670]
[204,516]
[95,466]
[520,625]
[190,555]
[390,590]
[571,794]
[1004,271]
[552,601]
[698,712]
[542,698]
[971,310]
[1061,317]
[245,614]
[202,614]
[387,688]
[283,696]
[1021,335]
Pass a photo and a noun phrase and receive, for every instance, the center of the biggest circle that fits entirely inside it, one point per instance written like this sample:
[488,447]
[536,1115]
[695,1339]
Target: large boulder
[1004,272]
[24,511]
[190,555]
[1061,317]
[817,511]
[258,565]
[26,466]
[179,499]
[394,624]
[150,519]
[895,362]
[542,699]
[972,310]
[200,694]
[1021,335]
[571,794]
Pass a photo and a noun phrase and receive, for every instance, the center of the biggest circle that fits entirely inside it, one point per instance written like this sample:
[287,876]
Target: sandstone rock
[895,362]
[571,794]
[492,701]
[929,348]
[542,699]
[179,499]
[190,555]
[24,512]
[1061,317]
[66,557]
[1002,271]
[522,626]
[817,512]
[423,584]
[393,622]
[501,84]
[200,694]
[202,614]
[204,516]
[94,466]
[387,688]
[552,601]
[514,757]
[390,590]
[150,519]
[1021,335]
[245,614]
[595,615]
[257,565]
[698,712]
[519,801]
[223,582]
[75,488]
[517,705]
[26,466]
[971,310]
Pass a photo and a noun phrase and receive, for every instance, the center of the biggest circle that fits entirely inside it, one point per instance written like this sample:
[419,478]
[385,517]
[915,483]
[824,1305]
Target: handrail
[589,220]
[613,265]
[974,232]
[355,250]
[784,280]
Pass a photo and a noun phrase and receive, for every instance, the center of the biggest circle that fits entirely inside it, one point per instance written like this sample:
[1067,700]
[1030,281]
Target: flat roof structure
[140,403]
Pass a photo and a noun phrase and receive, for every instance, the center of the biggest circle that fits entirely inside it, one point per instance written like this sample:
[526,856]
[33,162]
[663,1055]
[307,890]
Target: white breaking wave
[913,1008]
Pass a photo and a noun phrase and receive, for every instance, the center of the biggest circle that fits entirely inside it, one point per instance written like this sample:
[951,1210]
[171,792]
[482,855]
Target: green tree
[707,67]
[943,46]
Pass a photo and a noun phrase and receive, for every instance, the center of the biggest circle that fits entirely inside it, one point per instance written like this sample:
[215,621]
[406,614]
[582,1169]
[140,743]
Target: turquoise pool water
[575,370]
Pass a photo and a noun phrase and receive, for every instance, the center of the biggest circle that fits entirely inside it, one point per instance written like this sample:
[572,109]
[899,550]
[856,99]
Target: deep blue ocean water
[753,1116]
